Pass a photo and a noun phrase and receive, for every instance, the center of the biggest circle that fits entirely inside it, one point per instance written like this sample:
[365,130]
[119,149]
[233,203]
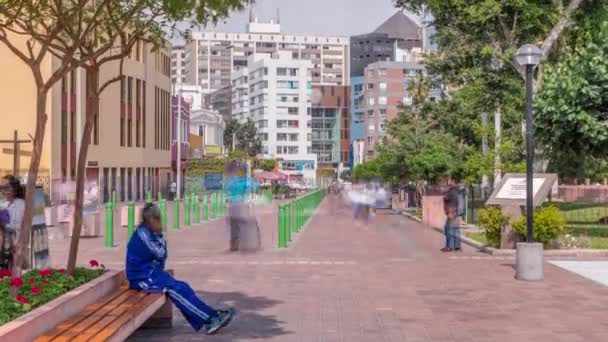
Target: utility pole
[178,163]
[233,141]
[484,151]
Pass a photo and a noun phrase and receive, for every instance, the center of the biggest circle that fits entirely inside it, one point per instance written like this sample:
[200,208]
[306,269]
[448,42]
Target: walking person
[245,233]
[145,264]
[452,222]
[173,190]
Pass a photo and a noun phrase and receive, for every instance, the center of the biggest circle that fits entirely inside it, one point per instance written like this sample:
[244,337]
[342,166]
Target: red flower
[31,282]
[94,263]
[61,270]
[5,273]
[22,299]
[45,281]
[36,290]
[17,282]
[45,273]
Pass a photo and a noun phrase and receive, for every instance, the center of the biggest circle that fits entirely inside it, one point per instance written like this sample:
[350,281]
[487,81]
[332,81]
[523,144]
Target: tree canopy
[246,134]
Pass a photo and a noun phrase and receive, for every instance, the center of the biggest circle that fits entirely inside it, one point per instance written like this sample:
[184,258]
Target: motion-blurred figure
[244,230]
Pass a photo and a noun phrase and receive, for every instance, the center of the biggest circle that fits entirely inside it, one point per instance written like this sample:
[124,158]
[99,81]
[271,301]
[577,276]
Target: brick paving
[387,281]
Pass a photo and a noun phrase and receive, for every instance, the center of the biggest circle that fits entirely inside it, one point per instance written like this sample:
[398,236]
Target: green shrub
[549,224]
[491,219]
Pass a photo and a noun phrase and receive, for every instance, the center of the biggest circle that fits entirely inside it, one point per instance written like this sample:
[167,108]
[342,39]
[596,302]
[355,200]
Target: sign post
[16,151]
[513,196]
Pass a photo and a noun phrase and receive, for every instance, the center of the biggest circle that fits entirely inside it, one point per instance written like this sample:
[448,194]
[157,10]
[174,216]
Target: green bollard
[176,214]
[114,200]
[205,207]
[186,211]
[213,205]
[163,213]
[131,220]
[196,209]
[160,196]
[282,242]
[290,221]
[109,225]
[149,197]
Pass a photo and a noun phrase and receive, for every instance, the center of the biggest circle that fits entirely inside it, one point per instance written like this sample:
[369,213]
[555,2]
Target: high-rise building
[386,90]
[330,121]
[221,101]
[357,109]
[181,108]
[178,62]
[398,39]
[273,90]
[211,57]
[130,150]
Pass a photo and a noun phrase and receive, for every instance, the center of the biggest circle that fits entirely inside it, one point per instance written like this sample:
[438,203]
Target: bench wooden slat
[75,330]
[88,311]
[130,320]
[126,307]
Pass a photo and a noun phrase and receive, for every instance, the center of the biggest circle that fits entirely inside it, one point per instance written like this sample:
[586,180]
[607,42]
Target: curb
[562,253]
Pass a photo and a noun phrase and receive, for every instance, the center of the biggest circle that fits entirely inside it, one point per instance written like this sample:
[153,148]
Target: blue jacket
[238,188]
[146,255]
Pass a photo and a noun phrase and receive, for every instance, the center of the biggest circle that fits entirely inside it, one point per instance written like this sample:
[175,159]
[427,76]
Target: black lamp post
[529,56]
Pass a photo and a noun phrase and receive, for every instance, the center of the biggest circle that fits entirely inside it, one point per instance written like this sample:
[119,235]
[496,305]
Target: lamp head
[528,54]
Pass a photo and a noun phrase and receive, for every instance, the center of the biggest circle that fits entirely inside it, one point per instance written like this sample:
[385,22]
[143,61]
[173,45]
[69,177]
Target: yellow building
[130,148]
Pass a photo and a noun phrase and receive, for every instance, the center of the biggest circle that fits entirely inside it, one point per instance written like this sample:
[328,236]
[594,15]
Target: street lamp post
[529,255]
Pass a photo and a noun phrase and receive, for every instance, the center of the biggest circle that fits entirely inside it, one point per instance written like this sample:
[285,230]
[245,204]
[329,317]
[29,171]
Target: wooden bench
[115,317]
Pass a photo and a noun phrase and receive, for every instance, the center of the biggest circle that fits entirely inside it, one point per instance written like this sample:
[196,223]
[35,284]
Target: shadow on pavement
[249,323]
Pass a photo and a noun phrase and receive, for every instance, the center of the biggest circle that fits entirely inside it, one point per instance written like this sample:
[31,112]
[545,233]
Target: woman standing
[15,206]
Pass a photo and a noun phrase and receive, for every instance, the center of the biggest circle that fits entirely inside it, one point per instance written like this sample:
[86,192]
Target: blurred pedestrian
[14,206]
[452,222]
[245,233]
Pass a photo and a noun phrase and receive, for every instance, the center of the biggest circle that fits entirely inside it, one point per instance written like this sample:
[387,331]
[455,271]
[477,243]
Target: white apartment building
[274,91]
[211,57]
[178,62]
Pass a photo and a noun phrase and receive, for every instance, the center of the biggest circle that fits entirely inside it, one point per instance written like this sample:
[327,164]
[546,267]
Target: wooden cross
[16,151]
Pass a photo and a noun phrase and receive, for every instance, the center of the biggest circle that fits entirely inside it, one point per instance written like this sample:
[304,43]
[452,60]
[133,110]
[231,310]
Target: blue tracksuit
[146,257]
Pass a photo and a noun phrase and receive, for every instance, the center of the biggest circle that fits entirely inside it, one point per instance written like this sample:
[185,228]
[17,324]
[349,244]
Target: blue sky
[322,17]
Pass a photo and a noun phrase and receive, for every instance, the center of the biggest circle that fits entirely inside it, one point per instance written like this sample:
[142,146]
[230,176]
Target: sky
[319,17]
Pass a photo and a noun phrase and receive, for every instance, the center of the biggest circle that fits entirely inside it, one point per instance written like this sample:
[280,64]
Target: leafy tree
[571,109]
[246,135]
[477,41]
[266,164]
[367,170]
[32,30]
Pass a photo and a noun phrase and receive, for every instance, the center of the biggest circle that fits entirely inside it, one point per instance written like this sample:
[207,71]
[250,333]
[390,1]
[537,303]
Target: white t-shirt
[16,210]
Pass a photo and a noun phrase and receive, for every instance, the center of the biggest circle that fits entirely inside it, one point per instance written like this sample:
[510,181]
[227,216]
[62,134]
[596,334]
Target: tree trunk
[498,132]
[22,253]
[92,109]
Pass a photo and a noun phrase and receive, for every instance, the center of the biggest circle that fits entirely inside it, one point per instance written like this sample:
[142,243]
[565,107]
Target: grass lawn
[583,212]
[599,243]
[477,236]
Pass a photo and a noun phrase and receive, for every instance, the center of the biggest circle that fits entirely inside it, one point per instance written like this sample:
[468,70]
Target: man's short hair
[150,212]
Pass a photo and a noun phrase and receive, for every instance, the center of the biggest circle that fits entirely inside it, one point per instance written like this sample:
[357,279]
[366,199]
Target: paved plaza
[344,281]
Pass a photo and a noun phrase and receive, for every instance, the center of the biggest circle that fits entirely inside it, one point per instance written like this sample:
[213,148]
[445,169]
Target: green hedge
[587,230]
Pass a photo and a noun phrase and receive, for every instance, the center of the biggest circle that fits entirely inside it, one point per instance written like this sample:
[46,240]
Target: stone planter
[46,317]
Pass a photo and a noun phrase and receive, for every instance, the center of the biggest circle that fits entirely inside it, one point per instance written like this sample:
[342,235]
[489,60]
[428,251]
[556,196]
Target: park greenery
[549,225]
[476,44]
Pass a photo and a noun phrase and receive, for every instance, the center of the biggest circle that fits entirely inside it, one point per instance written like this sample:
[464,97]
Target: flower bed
[38,287]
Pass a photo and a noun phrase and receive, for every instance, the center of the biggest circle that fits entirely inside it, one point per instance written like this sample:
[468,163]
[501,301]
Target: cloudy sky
[322,17]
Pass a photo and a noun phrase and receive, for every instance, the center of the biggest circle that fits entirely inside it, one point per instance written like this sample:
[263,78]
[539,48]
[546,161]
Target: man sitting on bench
[146,257]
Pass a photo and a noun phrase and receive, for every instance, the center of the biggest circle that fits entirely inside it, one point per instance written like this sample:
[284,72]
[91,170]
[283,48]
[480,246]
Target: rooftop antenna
[278,16]
[250,12]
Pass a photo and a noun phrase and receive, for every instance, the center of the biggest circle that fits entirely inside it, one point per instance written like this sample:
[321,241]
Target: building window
[371,101]
[293,111]
[138,112]
[281,71]
[293,137]
[382,85]
[382,100]
[281,136]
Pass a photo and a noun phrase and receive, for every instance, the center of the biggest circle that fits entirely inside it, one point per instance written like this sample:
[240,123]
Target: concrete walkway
[387,281]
